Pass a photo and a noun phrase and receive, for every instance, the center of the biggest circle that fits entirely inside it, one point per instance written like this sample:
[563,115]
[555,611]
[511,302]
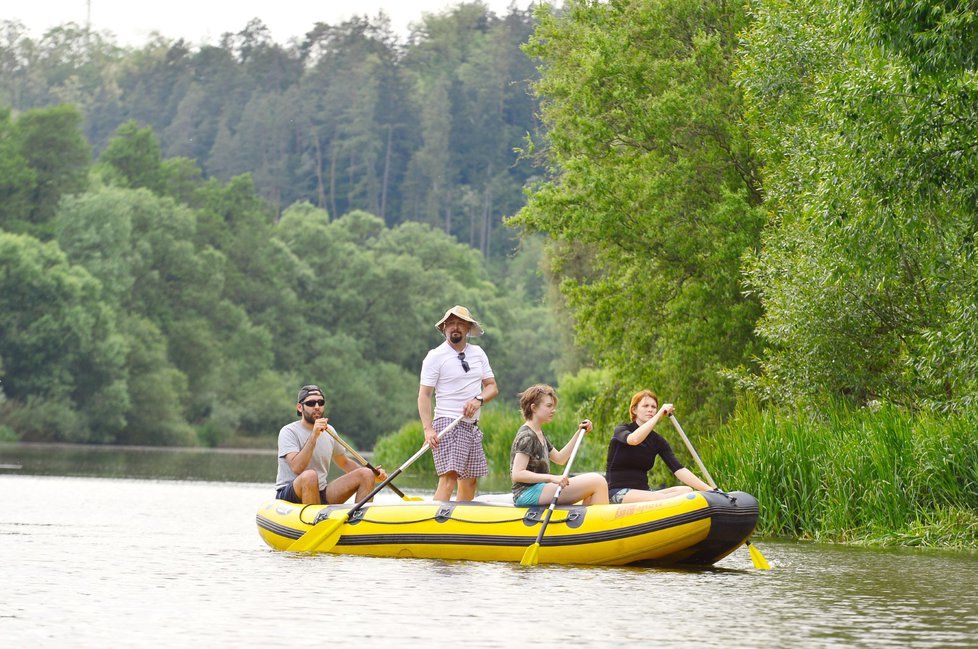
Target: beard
[455,337]
[310,419]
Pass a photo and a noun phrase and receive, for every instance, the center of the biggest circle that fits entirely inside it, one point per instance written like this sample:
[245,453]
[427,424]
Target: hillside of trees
[348,117]
[187,233]
[143,304]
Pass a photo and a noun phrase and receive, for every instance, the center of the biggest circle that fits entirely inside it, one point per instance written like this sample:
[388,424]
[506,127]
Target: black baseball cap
[306,390]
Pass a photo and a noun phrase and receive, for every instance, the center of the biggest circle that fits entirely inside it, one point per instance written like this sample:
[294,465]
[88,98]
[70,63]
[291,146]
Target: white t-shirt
[291,439]
[442,370]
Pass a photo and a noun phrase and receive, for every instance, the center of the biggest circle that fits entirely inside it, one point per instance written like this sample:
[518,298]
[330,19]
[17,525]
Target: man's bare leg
[306,487]
[359,482]
[446,485]
[466,488]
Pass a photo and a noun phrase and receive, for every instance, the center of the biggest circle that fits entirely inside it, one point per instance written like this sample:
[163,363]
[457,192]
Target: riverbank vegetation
[764,211]
[874,475]
[773,204]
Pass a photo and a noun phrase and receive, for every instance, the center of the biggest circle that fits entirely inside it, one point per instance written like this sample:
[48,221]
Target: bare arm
[425,393]
[562,456]
[343,461]
[638,436]
[488,393]
[521,474]
[689,478]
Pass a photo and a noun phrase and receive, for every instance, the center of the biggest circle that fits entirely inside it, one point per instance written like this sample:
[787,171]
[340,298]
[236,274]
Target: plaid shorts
[460,450]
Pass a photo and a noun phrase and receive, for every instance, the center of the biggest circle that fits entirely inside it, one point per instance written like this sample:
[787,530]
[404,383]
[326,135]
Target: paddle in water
[324,534]
[755,555]
[363,462]
[532,555]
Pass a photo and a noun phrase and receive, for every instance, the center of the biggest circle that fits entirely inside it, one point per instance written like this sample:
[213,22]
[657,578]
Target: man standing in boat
[305,449]
[460,378]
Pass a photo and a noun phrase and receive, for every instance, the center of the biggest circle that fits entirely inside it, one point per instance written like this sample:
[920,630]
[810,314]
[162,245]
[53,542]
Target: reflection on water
[138,462]
[97,562]
[219,465]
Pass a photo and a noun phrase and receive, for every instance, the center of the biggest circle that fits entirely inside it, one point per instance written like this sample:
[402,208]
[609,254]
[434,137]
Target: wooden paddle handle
[359,458]
[567,468]
[692,451]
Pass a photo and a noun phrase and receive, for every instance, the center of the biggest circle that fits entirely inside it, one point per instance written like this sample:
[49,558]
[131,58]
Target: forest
[187,233]
[348,117]
[764,211]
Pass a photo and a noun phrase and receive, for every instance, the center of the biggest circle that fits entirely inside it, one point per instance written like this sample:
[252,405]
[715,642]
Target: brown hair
[637,398]
[532,396]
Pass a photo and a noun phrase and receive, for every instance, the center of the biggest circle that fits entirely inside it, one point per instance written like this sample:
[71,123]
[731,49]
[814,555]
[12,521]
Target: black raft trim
[276,528]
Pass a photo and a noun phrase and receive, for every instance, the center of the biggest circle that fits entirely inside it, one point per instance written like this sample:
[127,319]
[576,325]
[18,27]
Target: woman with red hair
[632,452]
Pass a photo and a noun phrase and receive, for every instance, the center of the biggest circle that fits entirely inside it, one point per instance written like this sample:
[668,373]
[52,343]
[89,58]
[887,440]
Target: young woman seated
[632,452]
[530,457]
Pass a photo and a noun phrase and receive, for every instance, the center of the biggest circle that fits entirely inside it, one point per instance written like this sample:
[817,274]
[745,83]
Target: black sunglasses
[461,357]
[314,402]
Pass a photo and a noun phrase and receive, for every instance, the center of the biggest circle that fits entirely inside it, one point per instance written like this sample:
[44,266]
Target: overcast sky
[132,21]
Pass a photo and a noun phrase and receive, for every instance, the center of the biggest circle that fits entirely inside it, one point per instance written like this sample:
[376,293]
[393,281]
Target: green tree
[134,153]
[866,118]
[63,358]
[52,143]
[17,179]
[652,192]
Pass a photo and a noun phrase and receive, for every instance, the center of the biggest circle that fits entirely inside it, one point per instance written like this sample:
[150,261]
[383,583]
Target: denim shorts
[530,496]
[615,496]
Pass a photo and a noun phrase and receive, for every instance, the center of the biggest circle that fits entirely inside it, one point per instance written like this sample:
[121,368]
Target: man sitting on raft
[632,452]
[304,455]
[530,456]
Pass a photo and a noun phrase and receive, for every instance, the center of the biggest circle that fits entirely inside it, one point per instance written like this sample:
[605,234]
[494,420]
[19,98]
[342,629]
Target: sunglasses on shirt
[465,364]
[314,402]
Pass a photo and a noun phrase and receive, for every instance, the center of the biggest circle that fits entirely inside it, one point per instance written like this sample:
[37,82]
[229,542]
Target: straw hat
[461,312]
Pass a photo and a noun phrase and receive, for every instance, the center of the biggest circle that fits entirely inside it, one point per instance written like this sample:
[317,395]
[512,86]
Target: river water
[92,561]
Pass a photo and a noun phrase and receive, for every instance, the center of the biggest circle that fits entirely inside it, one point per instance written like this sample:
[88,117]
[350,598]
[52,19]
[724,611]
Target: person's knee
[365,476]
[684,490]
[308,479]
[597,480]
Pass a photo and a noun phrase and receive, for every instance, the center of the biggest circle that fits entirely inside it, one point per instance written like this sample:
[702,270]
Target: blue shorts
[615,496]
[288,494]
[530,496]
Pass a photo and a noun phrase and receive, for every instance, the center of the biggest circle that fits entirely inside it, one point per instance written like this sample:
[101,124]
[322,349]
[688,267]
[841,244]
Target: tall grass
[856,476]
[883,477]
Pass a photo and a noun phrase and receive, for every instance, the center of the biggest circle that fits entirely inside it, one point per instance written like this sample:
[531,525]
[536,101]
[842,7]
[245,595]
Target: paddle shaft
[553,501]
[692,451]
[359,458]
[401,468]
[755,554]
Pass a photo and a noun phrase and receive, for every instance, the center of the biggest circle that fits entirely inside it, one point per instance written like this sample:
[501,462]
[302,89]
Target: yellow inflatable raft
[696,529]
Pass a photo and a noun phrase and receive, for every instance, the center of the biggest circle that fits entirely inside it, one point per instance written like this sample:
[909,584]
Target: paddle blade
[532,555]
[409,499]
[755,555]
[323,536]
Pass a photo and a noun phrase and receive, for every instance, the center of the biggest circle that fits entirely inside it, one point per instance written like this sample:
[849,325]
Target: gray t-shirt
[527,442]
[291,439]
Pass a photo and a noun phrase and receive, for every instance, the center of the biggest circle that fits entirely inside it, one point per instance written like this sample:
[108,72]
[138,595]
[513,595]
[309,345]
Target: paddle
[755,555]
[326,532]
[363,462]
[531,556]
